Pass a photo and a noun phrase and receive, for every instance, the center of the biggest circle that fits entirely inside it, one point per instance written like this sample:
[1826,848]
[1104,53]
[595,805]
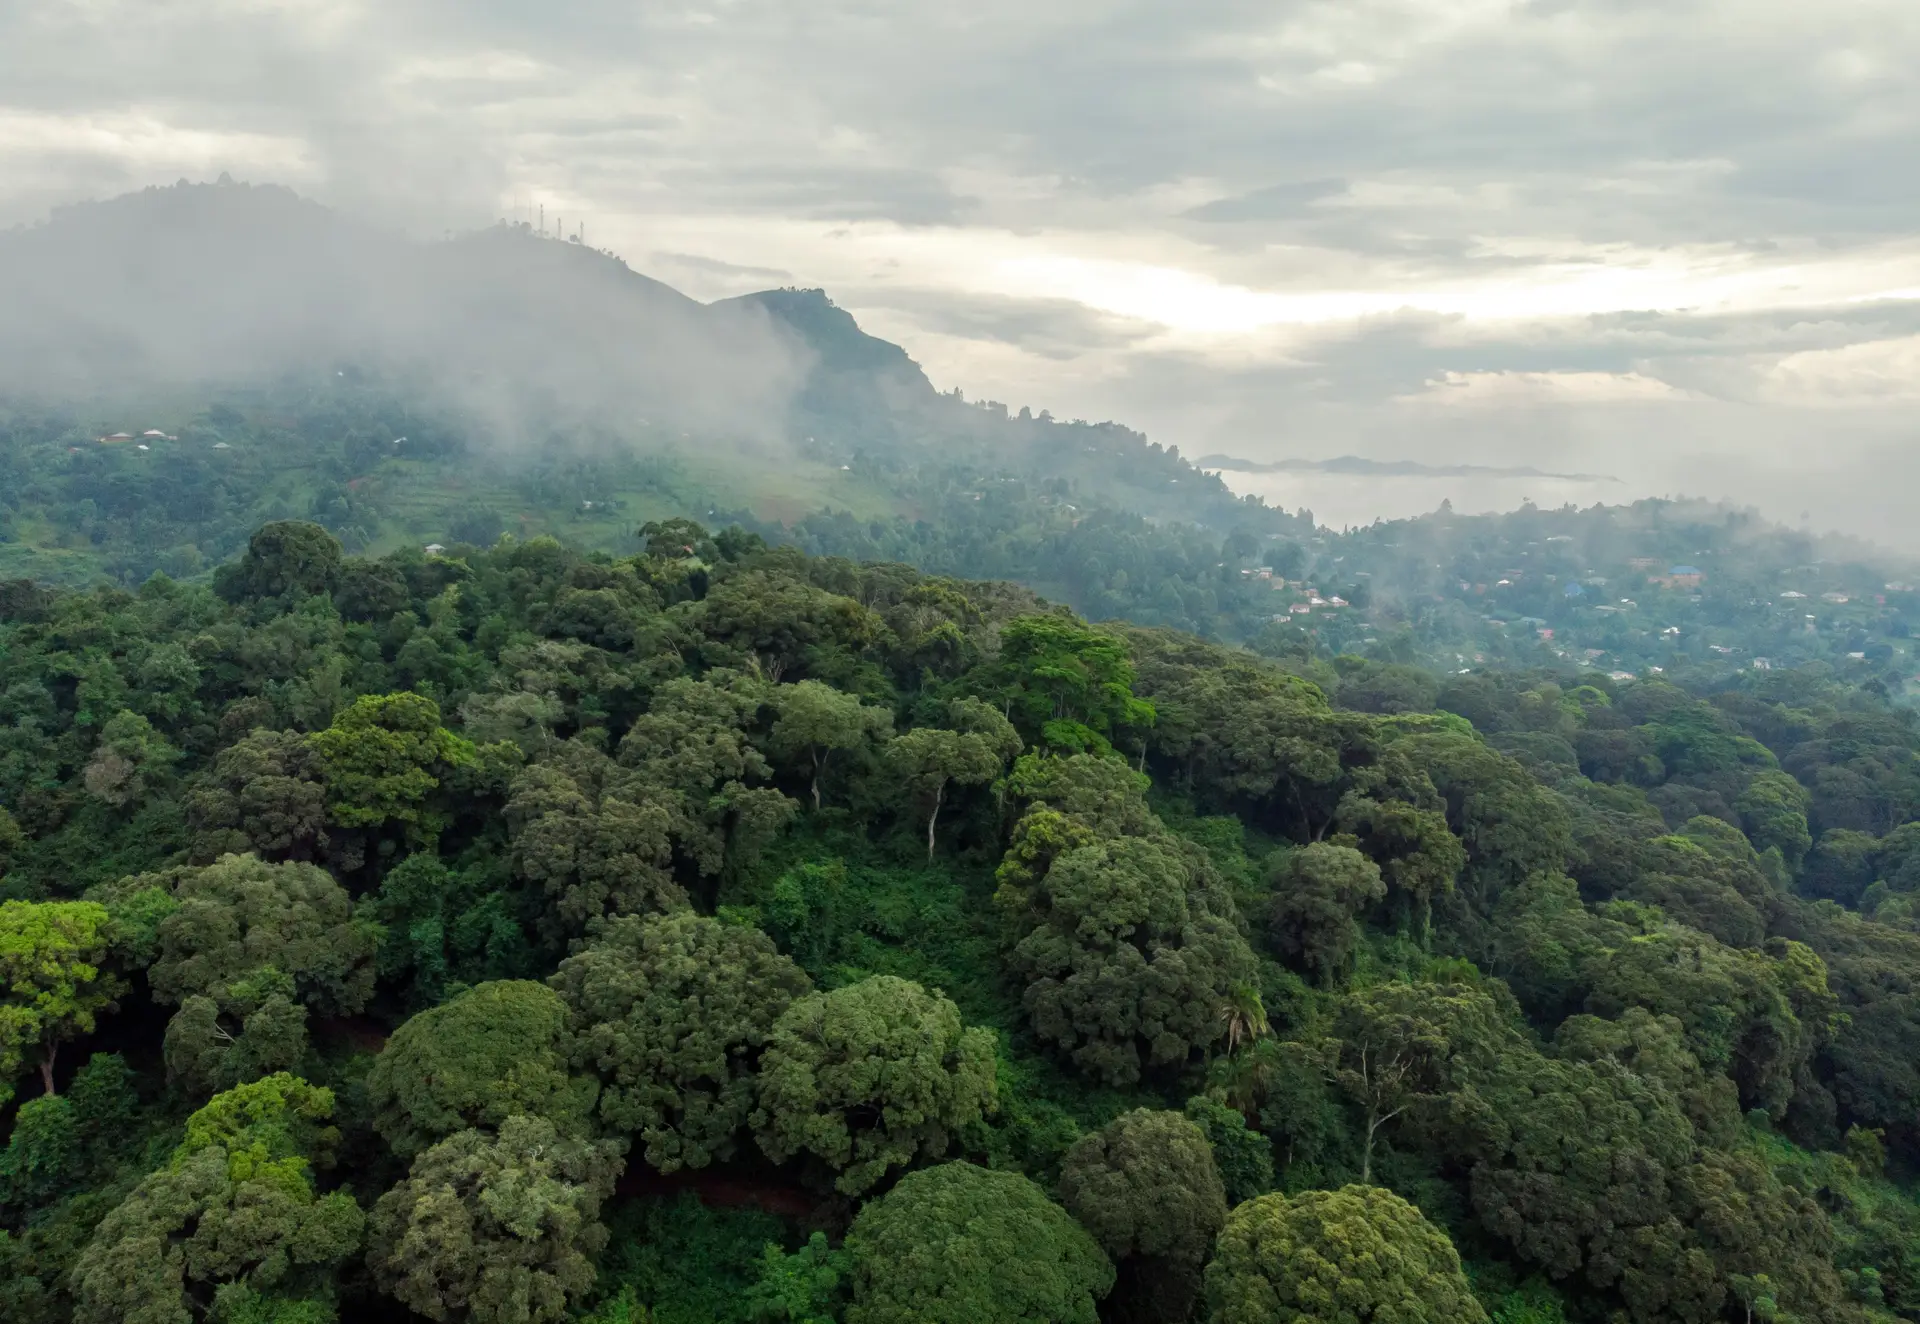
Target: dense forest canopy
[724,932]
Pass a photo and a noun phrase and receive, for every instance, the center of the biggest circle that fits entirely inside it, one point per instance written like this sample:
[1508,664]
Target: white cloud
[1870,375]
[1493,390]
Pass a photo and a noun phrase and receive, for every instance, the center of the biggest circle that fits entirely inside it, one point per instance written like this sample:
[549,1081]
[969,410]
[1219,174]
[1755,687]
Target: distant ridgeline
[721,933]
[502,383]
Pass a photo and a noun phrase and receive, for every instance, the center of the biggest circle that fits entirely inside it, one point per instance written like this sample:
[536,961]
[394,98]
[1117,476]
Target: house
[1644,562]
[115,437]
[1763,664]
[1793,593]
[1573,591]
[1837,599]
[1680,576]
[154,432]
[433,549]
[1336,601]
[1299,609]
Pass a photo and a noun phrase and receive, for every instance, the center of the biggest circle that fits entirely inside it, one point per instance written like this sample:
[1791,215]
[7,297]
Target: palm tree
[1244,1015]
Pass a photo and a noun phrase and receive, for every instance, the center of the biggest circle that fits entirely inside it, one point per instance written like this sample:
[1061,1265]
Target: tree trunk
[939,794]
[46,1066]
[819,766]
[1366,1151]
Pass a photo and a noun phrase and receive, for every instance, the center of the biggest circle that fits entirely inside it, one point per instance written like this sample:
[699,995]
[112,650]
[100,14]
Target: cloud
[1869,375]
[1668,231]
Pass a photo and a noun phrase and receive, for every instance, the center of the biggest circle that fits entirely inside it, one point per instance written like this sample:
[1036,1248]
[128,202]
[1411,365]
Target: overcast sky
[1675,242]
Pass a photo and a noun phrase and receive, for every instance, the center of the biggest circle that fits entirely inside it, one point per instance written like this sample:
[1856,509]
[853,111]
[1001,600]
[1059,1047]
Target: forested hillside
[718,932]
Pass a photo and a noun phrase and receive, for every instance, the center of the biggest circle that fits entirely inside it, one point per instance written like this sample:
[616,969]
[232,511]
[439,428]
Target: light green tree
[815,720]
[927,759]
[1359,1253]
[232,1215]
[52,982]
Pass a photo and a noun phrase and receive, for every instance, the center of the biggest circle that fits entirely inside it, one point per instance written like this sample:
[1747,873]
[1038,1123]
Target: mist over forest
[527,796]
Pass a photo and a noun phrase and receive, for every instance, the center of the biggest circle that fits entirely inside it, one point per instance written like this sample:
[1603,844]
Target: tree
[234,1208]
[1393,1046]
[1359,1253]
[247,950]
[288,559]
[129,761]
[1071,687]
[1242,1156]
[1318,891]
[1130,956]
[815,720]
[1146,1186]
[1773,810]
[240,915]
[674,1012]
[870,1077]
[925,760]
[11,840]
[693,751]
[382,758]
[52,984]
[263,795]
[959,1244]
[497,1229]
[595,835]
[255,1028]
[497,1050]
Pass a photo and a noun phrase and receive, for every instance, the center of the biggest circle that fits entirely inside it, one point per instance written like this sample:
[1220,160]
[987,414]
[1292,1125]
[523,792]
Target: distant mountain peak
[832,334]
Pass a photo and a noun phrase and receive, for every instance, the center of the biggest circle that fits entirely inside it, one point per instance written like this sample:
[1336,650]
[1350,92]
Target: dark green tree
[673,1013]
[496,1051]
[1319,891]
[870,1077]
[1146,1186]
[495,1228]
[959,1244]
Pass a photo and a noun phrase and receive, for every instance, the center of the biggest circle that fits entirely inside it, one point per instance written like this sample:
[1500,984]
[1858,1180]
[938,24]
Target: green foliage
[678,1261]
[247,949]
[870,1077]
[1145,1185]
[42,1154]
[382,759]
[1131,965]
[1318,892]
[441,928]
[1071,687]
[674,1012]
[601,751]
[814,720]
[52,984]
[495,1228]
[496,1051]
[234,1206]
[805,1287]
[955,1243]
[292,558]
[1243,1157]
[1357,1253]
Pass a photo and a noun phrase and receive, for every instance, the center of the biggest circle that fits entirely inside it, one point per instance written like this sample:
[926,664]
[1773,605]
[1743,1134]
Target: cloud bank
[1675,242]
